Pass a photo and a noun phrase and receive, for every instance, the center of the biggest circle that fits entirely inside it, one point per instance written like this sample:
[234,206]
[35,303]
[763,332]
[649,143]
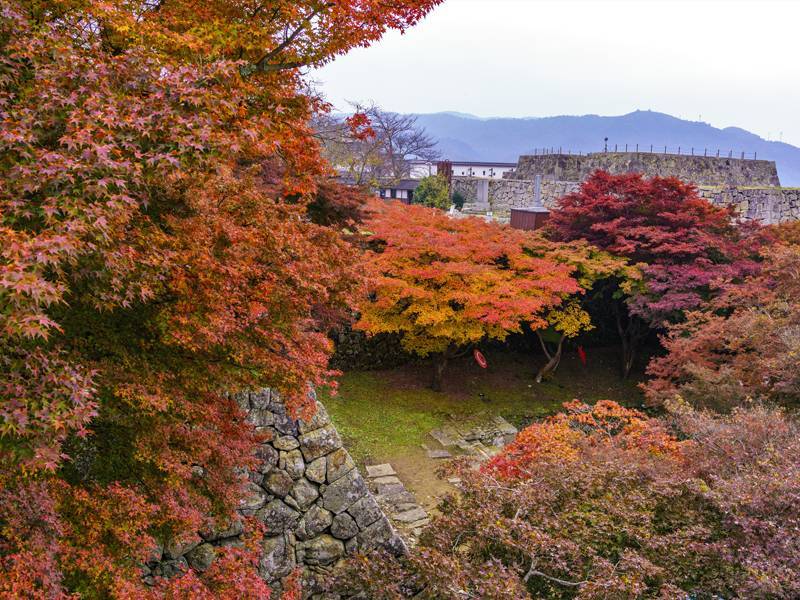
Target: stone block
[351,546]
[437,454]
[278,517]
[267,456]
[221,531]
[320,419]
[201,557]
[343,492]
[285,424]
[365,511]
[409,516]
[388,479]
[286,442]
[322,550]
[380,470]
[316,470]
[292,462]
[277,559]
[253,498]
[344,526]
[278,482]
[304,492]
[445,438]
[177,547]
[315,521]
[261,418]
[385,489]
[260,400]
[375,535]
[339,463]
[171,568]
[397,498]
[319,442]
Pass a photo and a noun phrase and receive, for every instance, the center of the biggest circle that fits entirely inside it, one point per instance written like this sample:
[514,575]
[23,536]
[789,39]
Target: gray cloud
[727,62]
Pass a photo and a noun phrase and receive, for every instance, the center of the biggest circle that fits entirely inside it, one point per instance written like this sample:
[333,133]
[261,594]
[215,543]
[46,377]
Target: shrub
[605,502]
[433,192]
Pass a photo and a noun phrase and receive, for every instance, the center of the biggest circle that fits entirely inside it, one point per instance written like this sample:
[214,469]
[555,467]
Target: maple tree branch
[533,571]
[544,346]
[263,63]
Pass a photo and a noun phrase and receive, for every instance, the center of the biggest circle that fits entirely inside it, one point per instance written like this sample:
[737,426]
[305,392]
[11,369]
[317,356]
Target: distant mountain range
[466,137]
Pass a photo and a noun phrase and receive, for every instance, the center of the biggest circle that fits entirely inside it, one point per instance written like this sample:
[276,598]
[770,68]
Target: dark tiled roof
[403,184]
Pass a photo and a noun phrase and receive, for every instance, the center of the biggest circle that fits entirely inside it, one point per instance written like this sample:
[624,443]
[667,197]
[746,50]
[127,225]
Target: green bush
[433,192]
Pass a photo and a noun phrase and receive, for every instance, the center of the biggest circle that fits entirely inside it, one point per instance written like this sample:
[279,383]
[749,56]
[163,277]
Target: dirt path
[418,472]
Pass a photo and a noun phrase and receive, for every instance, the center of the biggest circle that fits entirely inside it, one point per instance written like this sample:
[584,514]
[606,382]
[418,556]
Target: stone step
[411,516]
[439,454]
[397,498]
[445,438]
[383,489]
[383,470]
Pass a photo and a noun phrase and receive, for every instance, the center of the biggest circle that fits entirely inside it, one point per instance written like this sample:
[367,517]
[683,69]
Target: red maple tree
[156,251]
[445,284]
[687,247]
[605,502]
[742,348]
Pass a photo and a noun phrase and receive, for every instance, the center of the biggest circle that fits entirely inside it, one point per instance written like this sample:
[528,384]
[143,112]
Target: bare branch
[533,571]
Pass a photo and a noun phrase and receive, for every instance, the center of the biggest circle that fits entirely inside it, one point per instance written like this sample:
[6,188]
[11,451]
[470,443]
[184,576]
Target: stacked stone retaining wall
[767,205]
[355,350]
[308,492]
[702,170]
[505,194]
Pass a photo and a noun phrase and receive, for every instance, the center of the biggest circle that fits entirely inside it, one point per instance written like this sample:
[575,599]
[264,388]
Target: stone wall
[505,194]
[702,170]
[768,205]
[357,351]
[306,490]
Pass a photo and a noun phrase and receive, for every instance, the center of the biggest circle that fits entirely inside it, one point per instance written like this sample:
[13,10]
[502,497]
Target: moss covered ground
[386,415]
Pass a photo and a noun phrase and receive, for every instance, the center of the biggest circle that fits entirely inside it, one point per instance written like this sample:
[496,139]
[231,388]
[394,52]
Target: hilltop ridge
[469,137]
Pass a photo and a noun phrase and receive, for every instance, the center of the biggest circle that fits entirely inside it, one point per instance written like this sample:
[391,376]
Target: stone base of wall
[315,504]
[766,205]
[505,194]
[355,351]
[702,170]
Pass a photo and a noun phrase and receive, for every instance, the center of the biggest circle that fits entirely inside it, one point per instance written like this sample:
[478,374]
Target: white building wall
[422,169]
[478,170]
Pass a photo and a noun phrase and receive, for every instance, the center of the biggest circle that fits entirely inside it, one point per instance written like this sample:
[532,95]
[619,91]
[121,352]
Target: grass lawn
[386,415]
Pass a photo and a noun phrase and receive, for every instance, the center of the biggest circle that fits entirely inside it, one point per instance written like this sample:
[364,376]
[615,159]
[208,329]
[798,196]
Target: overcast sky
[727,62]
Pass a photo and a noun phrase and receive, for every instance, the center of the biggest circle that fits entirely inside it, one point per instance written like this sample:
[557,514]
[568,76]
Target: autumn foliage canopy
[742,348]
[688,248]
[450,282]
[604,502]
[156,250]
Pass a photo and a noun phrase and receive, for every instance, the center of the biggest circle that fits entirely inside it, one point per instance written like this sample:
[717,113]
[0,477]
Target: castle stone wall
[701,170]
[505,194]
[767,205]
[308,492]
[355,350]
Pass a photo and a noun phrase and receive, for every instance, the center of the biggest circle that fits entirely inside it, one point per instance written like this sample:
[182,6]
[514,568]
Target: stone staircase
[397,502]
[481,436]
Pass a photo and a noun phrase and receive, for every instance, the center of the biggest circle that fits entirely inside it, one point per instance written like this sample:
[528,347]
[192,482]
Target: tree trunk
[438,370]
[630,335]
[553,359]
